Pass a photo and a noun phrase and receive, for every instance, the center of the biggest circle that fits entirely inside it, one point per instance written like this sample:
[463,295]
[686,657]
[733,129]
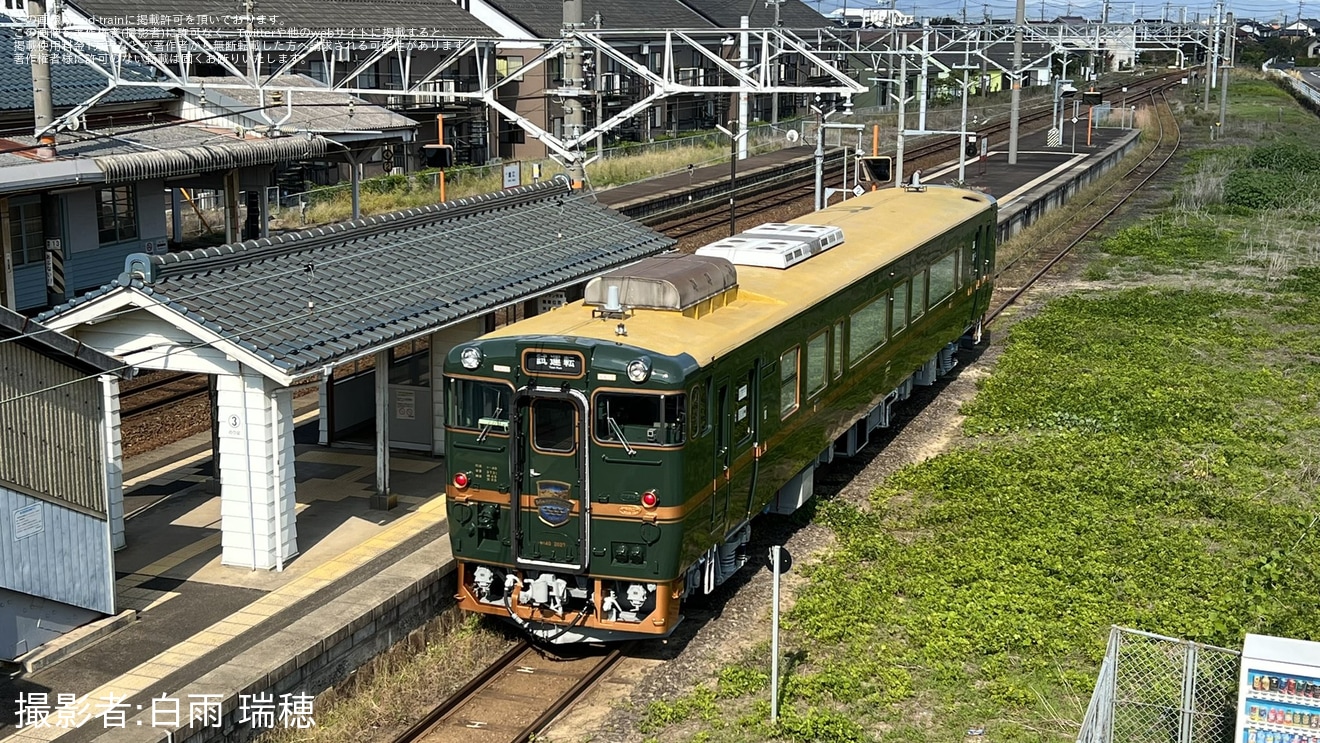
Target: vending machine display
[1279,691]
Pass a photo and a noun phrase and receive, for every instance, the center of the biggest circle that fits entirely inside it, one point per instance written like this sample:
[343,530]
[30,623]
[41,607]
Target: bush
[1288,157]
[1260,189]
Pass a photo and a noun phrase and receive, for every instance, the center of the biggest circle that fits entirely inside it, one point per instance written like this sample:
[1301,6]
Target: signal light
[438,155]
[461,480]
[650,499]
[877,169]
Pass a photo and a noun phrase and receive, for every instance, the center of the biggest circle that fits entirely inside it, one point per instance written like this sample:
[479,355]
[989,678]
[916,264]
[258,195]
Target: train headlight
[639,370]
[470,357]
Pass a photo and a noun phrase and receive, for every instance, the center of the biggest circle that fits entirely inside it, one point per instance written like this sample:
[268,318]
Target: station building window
[898,318]
[26,233]
[866,329]
[116,215]
[817,361]
[942,277]
[788,381]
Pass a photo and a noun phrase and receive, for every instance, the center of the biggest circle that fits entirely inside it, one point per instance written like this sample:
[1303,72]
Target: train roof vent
[664,282]
[819,236]
[759,251]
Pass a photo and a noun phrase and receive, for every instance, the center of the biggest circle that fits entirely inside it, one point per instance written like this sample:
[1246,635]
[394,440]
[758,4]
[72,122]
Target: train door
[723,464]
[735,467]
[982,251]
[550,483]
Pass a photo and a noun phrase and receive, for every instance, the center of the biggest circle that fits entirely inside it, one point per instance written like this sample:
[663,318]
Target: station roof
[728,14]
[72,80]
[438,16]
[546,19]
[295,304]
[56,345]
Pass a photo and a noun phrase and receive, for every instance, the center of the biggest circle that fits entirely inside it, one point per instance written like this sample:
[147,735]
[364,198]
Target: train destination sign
[565,364]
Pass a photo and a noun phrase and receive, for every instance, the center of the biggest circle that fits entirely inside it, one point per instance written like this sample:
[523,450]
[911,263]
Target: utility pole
[1015,102]
[43,106]
[1223,86]
[1104,13]
[902,118]
[923,80]
[573,114]
[774,67]
[743,59]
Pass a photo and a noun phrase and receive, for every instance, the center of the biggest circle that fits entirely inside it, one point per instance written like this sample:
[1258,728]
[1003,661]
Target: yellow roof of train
[878,227]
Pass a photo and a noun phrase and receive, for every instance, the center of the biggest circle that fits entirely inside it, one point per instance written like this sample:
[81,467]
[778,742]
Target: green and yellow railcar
[608,456]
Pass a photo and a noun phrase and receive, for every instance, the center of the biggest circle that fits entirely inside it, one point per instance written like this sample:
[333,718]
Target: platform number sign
[234,426]
[512,175]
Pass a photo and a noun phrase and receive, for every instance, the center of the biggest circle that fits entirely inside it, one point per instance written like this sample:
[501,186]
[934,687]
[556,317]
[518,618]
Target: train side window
[899,316]
[788,381]
[838,349]
[942,278]
[817,360]
[919,294]
[699,407]
[866,329]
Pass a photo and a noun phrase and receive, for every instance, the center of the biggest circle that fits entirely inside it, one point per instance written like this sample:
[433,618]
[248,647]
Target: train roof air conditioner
[758,251]
[820,237]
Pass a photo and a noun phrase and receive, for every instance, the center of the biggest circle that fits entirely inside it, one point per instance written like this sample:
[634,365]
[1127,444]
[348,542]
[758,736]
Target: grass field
[1143,454]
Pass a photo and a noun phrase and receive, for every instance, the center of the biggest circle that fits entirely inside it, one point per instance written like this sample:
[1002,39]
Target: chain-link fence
[1155,689]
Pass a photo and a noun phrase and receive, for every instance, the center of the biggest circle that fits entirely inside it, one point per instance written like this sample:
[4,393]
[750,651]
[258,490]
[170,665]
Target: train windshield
[479,405]
[650,420]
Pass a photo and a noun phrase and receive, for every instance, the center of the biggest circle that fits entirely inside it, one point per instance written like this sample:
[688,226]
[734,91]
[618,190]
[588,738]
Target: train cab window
[554,425]
[652,420]
[866,329]
[942,278]
[899,309]
[817,361]
[837,356]
[788,381]
[478,405]
[919,294]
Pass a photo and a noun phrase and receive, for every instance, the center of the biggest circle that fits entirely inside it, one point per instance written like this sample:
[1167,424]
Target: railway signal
[877,169]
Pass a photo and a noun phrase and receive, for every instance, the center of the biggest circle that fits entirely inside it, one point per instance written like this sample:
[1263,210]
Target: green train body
[608,456]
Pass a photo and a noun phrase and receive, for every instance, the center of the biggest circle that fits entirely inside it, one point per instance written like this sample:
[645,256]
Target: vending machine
[1279,691]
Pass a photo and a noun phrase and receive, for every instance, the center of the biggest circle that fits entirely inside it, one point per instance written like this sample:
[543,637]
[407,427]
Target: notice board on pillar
[1278,690]
[410,417]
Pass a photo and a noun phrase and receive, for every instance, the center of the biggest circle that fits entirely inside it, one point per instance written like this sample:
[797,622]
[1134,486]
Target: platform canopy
[295,305]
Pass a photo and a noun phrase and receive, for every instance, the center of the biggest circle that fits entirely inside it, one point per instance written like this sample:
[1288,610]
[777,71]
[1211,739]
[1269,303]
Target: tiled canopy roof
[309,299]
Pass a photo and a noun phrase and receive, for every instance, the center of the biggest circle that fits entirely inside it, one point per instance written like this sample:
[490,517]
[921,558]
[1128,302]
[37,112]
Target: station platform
[199,630]
[190,616]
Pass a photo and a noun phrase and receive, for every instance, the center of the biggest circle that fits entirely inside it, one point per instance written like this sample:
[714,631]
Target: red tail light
[461,480]
[649,499]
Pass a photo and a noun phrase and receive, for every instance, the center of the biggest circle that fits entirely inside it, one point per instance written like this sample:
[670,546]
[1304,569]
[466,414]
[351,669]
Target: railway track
[169,388]
[796,187]
[1014,278]
[515,698]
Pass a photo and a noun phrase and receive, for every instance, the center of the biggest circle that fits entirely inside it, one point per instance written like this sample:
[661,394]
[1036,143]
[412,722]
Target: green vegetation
[1143,454]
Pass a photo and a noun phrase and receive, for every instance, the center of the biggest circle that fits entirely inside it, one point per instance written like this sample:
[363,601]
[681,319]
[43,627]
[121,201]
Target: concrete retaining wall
[317,650]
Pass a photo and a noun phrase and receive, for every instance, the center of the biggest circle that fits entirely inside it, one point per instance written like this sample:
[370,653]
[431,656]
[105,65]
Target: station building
[61,495]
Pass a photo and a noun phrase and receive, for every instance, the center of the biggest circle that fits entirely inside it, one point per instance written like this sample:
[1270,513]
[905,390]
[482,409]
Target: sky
[1261,10]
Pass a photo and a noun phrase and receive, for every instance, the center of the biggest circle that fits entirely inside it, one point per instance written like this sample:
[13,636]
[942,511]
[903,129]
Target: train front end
[564,498]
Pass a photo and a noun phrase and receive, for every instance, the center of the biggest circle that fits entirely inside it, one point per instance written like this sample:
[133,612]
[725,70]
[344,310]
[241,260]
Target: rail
[1149,162]
[514,698]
